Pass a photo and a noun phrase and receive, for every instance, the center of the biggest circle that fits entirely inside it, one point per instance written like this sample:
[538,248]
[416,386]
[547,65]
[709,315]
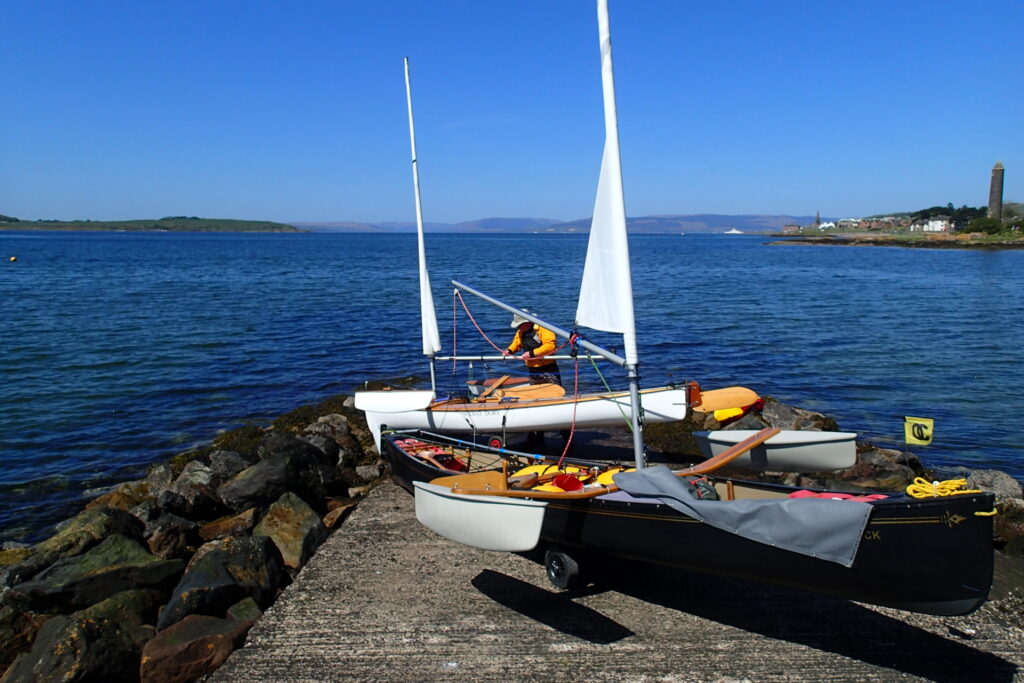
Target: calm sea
[120,349]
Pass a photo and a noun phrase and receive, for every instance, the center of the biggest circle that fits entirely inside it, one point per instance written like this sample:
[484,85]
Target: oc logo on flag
[918,430]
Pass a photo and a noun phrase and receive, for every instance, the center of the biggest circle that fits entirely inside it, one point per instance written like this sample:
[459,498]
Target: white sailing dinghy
[787,451]
[514,409]
[513,523]
[886,549]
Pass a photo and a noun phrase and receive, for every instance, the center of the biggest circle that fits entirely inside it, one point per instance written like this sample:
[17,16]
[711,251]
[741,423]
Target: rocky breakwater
[161,578]
[973,240]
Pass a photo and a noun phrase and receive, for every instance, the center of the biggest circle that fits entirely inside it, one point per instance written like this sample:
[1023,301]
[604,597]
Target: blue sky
[296,111]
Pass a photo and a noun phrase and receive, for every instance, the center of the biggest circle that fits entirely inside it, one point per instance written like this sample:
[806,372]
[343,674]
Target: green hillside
[167,224]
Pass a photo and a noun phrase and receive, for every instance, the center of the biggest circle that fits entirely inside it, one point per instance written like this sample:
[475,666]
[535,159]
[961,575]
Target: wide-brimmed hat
[518,320]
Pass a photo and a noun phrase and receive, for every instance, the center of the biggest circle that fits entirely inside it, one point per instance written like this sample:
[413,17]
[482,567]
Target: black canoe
[932,555]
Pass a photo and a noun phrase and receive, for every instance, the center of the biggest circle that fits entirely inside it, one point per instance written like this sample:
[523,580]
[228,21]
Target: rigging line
[465,307]
[629,423]
[575,403]
[458,297]
[455,329]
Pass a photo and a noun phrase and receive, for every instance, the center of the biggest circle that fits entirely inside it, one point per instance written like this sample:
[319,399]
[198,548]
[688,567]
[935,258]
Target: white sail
[428,317]
[606,292]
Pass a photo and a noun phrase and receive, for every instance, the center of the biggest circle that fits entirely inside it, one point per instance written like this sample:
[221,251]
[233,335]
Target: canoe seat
[491,481]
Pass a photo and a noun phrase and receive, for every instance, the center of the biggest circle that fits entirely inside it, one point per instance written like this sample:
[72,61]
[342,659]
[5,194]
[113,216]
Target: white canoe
[486,522]
[396,411]
[788,451]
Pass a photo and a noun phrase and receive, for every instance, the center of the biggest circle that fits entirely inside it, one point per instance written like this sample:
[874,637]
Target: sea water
[120,349]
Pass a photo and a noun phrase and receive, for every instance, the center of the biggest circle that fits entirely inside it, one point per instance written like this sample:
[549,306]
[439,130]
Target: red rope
[576,365]
[458,296]
[575,403]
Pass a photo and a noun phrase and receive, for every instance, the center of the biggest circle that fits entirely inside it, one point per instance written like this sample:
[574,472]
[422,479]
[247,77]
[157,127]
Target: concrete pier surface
[384,599]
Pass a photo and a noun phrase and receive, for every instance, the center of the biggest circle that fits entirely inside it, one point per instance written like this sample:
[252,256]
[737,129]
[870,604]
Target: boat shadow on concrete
[825,623]
[555,610]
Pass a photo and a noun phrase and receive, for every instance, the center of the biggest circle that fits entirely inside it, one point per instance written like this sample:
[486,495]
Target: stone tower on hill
[995,193]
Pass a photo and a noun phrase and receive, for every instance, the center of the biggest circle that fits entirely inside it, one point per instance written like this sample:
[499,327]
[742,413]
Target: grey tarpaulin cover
[822,528]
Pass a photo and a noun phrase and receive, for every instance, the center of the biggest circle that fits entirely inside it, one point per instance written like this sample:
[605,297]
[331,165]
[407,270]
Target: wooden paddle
[490,390]
[727,456]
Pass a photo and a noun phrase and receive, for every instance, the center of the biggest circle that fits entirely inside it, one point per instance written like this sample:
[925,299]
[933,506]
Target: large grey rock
[124,497]
[135,608]
[159,478]
[222,573]
[194,472]
[226,464]
[778,414]
[78,535]
[748,421]
[116,564]
[880,477]
[996,481]
[18,627]
[74,648]
[294,527]
[245,610]
[191,648]
[324,444]
[196,487]
[146,511]
[277,443]
[286,464]
[1009,525]
[368,473]
[336,427]
[231,525]
[170,536]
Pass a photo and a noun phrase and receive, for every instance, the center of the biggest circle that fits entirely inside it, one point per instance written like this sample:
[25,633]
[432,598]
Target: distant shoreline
[930,242]
[150,225]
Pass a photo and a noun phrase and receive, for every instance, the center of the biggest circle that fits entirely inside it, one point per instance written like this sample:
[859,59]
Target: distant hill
[167,224]
[636,224]
[482,225]
[707,222]
[504,225]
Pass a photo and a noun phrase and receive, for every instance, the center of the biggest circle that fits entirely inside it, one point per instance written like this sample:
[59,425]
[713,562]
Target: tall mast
[428,318]
[606,292]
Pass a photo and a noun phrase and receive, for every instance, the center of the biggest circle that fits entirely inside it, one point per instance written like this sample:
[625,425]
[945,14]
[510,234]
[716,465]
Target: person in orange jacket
[535,342]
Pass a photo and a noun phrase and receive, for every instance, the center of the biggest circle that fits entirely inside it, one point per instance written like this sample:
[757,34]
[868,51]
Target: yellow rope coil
[922,488]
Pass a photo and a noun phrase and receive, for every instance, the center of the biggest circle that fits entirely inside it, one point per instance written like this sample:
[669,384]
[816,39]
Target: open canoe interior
[476,469]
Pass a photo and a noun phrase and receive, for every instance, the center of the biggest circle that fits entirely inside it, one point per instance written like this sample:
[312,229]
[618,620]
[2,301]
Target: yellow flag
[918,430]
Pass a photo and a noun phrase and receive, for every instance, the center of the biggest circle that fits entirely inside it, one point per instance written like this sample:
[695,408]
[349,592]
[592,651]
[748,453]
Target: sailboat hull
[480,521]
[661,404]
[787,451]
[932,556]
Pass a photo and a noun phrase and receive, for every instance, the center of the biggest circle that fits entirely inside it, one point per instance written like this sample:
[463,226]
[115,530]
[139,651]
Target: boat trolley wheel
[563,570]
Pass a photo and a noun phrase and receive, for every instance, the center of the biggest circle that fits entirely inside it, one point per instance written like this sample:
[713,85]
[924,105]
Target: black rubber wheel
[495,442]
[563,570]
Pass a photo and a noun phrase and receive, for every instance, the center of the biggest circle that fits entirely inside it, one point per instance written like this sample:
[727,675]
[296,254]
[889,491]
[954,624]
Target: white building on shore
[933,224]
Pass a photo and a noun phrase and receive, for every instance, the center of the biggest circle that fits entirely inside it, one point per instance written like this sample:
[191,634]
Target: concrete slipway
[386,600]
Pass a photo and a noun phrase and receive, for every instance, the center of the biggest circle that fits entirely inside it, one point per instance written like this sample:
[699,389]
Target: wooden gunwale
[460,404]
[714,463]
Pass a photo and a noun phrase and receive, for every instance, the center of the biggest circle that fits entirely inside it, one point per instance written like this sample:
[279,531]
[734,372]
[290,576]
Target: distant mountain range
[706,222]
